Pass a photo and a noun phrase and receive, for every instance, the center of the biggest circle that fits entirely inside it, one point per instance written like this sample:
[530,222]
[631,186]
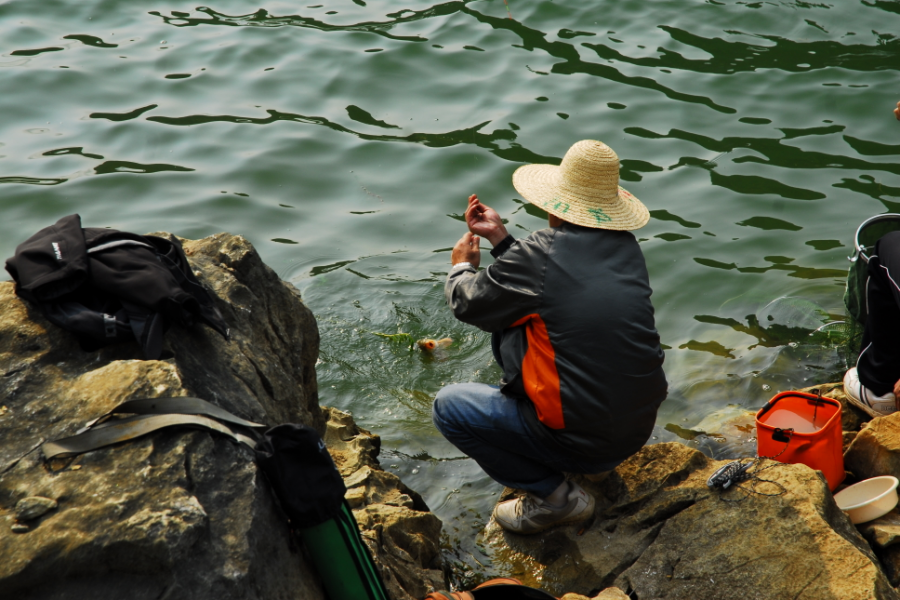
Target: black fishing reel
[733,472]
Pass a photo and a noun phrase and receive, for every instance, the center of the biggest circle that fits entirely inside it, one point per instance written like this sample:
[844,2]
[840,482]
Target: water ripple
[262,18]
[728,57]
[470,135]
[90,40]
[36,51]
[122,166]
[775,152]
[127,116]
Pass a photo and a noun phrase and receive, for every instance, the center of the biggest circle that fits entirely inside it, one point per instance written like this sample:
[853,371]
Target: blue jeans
[490,428]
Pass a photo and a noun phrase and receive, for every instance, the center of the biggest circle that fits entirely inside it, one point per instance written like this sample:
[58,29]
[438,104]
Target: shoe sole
[859,403]
[863,407]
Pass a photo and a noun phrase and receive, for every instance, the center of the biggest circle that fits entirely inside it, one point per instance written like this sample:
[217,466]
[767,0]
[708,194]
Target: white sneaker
[861,397]
[530,514]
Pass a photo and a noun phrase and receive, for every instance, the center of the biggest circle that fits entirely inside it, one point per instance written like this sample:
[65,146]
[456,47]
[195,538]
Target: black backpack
[108,286]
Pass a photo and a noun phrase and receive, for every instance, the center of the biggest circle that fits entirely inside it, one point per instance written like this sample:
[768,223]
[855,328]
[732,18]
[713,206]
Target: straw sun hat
[584,189]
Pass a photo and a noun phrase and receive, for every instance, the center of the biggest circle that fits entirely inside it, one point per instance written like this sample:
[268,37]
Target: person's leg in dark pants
[879,362]
[489,427]
[870,385]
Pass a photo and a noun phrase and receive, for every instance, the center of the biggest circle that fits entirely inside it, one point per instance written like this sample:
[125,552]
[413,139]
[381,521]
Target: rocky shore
[185,513]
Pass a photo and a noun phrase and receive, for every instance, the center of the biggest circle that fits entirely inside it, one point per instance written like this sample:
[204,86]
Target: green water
[343,138]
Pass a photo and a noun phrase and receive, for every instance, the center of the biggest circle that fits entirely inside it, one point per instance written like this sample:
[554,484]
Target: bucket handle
[819,400]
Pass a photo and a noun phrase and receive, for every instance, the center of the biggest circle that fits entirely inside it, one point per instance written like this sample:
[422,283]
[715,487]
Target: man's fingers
[469,240]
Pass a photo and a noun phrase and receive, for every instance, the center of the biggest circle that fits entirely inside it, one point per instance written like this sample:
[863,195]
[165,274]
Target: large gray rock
[659,532]
[179,513]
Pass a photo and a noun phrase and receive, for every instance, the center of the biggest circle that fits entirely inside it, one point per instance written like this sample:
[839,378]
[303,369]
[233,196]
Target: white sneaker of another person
[863,398]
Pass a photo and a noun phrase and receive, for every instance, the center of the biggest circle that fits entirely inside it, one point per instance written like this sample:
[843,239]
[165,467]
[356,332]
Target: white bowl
[868,499]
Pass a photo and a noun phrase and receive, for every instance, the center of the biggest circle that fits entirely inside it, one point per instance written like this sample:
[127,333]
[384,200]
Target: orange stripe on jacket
[539,375]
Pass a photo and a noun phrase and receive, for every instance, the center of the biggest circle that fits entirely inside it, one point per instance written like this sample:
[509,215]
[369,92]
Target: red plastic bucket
[796,427]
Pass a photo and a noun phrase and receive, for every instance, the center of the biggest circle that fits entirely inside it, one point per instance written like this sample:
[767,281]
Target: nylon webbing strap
[150,414]
[121,430]
[180,405]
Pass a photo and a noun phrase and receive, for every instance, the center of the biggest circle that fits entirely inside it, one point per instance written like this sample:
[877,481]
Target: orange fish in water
[429,345]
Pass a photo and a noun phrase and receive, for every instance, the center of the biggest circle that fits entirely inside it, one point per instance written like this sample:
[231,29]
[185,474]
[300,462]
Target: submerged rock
[180,513]
[660,532]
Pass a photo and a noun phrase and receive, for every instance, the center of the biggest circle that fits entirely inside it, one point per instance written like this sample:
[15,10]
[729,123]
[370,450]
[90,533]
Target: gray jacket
[574,333]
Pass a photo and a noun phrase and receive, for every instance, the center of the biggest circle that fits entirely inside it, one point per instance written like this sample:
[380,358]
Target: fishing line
[507,9]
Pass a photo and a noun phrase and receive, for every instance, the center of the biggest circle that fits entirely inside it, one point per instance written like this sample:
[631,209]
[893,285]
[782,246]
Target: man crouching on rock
[573,330]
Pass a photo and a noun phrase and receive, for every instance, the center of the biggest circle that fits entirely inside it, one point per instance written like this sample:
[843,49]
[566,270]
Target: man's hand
[897,111]
[484,221]
[466,250]
[897,389]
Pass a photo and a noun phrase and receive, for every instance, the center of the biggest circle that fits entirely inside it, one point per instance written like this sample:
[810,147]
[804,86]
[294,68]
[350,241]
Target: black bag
[869,232]
[108,286]
[302,474]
